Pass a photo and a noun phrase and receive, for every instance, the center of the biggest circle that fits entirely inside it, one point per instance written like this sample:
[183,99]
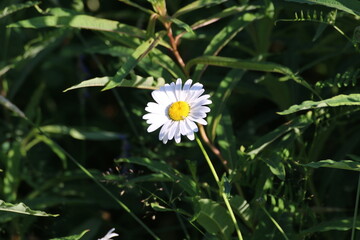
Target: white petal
[160,96]
[199,120]
[165,139]
[191,136]
[192,126]
[164,130]
[185,91]
[183,128]
[200,109]
[170,92]
[155,125]
[155,108]
[177,137]
[197,115]
[178,86]
[172,129]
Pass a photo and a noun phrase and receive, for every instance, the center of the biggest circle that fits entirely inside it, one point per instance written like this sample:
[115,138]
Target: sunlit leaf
[80,21]
[12,107]
[343,164]
[349,6]
[21,208]
[340,224]
[16,7]
[139,53]
[196,5]
[339,100]
[138,82]
[72,237]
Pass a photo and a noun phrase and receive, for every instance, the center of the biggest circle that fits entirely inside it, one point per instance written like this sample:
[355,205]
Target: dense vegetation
[278,159]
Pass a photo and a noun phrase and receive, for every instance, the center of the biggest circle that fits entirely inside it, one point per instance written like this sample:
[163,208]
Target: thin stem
[174,45]
[212,147]
[216,177]
[356,210]
[275,223]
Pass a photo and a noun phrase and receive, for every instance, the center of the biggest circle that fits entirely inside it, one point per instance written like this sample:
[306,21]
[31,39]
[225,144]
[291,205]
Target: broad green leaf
[161,167]
[21,208]
[349,6]
[264,141]
[220,98]
[340,224]
[16,7]
[339,100]
[72,237]
[80,21]
[214,218]
[82,134]
[223,37]
[196,5]
[343,164]
[12,107]
[131,62]
[138,82]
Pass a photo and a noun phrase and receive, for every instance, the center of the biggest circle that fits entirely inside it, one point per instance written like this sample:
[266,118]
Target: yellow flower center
[179,110]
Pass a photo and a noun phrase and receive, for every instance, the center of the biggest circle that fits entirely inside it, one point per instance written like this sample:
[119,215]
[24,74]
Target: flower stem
[355,211]
[216,177]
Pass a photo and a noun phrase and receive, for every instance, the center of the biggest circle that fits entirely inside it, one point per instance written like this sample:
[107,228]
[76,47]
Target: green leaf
[137,82]
[275,164]
[12,107]
[214,218]
[339,100]
[139,53]
[343,164]
[224,36]
[157,207]
[161,167]
[220,98]
[239,63]
[80,21]
[264,141]
[242,209]
[21,208]
[196,5]
[340,224]
[349,6]
[16,7]
[72,237]
[82,134]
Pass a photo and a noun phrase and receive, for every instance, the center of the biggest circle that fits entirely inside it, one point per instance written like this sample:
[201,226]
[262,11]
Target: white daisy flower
[109,235]
[176,110]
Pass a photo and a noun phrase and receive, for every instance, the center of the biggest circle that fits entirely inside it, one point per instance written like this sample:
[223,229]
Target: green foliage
[280,155]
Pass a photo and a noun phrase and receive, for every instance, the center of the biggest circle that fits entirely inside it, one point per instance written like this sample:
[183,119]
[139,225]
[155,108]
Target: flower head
[176,110]
[109,235]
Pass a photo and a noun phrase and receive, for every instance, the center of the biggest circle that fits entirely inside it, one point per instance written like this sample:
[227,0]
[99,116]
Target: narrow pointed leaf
[139,53]
[12,107]
[138,82]
[21,208]
[339,100]
[349,6]
[196,5]
[343,164]
[80,21]
[72,237]
[16,7]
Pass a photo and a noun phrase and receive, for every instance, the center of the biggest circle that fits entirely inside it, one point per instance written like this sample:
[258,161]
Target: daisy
[176,110]
[109,235]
